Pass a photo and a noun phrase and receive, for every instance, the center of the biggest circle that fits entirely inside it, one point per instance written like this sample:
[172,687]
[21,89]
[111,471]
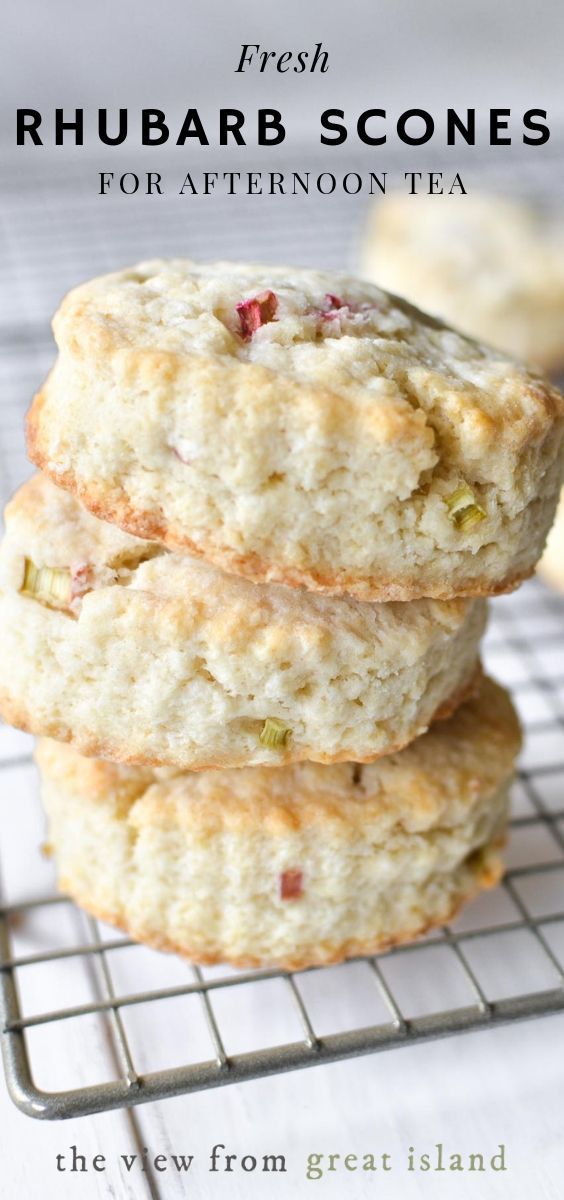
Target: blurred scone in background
[493,267]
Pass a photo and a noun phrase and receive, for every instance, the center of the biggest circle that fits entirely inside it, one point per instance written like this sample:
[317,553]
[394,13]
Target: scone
[145,656]
[300,427]
[290,866]
[551,566]
[492,267]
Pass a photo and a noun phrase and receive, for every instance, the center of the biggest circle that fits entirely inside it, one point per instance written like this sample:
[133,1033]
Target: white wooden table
[470,1092]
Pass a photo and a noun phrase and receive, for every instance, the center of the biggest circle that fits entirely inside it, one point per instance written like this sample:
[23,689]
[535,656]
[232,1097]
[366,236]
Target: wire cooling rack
[154,1027]
[92,1021]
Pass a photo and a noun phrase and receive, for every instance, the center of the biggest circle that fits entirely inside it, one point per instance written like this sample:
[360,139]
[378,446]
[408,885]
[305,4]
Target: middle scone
[134,653]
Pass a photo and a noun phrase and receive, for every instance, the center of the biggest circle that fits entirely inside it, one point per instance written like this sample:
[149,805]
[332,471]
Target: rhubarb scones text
[292,867]
[145,656]
[300,427]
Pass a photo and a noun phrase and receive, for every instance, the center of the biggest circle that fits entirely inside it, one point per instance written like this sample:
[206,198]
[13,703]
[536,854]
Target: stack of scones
[242,607]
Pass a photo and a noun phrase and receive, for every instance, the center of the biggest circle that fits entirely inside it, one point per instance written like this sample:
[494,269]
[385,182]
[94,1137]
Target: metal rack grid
[529,904]
[502,960]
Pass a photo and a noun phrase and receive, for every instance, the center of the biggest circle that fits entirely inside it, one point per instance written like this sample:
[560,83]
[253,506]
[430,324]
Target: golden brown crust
[153,527]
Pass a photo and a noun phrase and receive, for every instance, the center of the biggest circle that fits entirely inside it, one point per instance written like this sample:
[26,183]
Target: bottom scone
[289,866]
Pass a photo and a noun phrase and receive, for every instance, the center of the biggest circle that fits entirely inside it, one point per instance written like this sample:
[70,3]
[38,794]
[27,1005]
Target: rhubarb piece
[334,307]
[256,312]
[463,510]
[180,457]
[291,884]
[82,579]
[50,585]
[274,733]
[331,308]
[334,302]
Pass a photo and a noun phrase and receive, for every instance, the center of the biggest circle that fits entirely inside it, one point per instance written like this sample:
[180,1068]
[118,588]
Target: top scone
[300,427]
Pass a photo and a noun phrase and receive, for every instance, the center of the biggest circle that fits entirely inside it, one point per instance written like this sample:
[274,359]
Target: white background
[385,53]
